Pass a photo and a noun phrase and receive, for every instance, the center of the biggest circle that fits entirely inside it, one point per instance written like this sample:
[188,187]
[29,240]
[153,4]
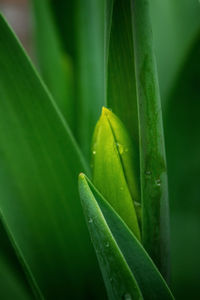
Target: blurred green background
[176,30]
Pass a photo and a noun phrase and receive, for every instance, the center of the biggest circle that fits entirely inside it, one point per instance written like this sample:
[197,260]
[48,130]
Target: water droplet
[137,204]
[148,173]
[90,220]
[120,148]
[107,245]
[121,188]
[158,182]
[127,296]
[94,152]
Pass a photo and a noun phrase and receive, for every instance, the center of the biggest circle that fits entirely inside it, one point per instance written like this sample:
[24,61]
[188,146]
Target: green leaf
[154,190]
[121,88]
[39,165]
[118,251]
[115,167]
[91,82]
[55,65]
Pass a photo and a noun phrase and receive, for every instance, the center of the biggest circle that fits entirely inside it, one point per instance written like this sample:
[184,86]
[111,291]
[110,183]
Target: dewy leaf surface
[39,165]
[107,229]
[55,65]
[154,189]
[114,164]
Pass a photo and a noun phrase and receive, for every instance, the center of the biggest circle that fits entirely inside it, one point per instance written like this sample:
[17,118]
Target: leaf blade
[38,180]
[148,278]
[118,284]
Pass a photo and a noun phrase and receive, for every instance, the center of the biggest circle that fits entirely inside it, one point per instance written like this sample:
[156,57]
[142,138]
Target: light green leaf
[121,89]
[114,166]
[55,65]
[154,190]
[118,251]
[39,165]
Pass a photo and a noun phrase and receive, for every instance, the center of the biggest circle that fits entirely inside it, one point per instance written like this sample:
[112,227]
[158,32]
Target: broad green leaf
[55,65]
[113,241]
[13,282]
[175,26]
[182,127]
[114,166]
[90,76]
[121,89]
[39,165]
[154,190]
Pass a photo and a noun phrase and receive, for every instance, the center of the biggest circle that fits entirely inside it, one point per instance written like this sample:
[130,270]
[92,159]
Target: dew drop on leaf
[120,148]
[94,152]
[127,296]
[158,182]
[90,220]
[107,245]
[148,173]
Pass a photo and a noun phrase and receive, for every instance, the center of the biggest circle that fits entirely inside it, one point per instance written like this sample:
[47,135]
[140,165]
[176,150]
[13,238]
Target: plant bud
[115,168]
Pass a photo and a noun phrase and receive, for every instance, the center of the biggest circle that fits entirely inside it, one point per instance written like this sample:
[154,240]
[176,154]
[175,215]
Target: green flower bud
[115,168]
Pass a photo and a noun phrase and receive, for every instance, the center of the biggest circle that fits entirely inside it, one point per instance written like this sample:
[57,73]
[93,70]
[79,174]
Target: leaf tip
[81,176]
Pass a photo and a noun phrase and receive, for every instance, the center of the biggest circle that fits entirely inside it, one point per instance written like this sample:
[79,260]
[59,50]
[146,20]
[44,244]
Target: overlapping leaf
[128,271]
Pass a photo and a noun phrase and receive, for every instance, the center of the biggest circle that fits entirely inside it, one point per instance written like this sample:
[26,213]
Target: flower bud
[115,168]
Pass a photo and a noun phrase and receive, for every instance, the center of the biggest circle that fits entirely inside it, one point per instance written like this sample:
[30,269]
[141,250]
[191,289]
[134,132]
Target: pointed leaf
[119,281]
[111,236]
[115,167]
